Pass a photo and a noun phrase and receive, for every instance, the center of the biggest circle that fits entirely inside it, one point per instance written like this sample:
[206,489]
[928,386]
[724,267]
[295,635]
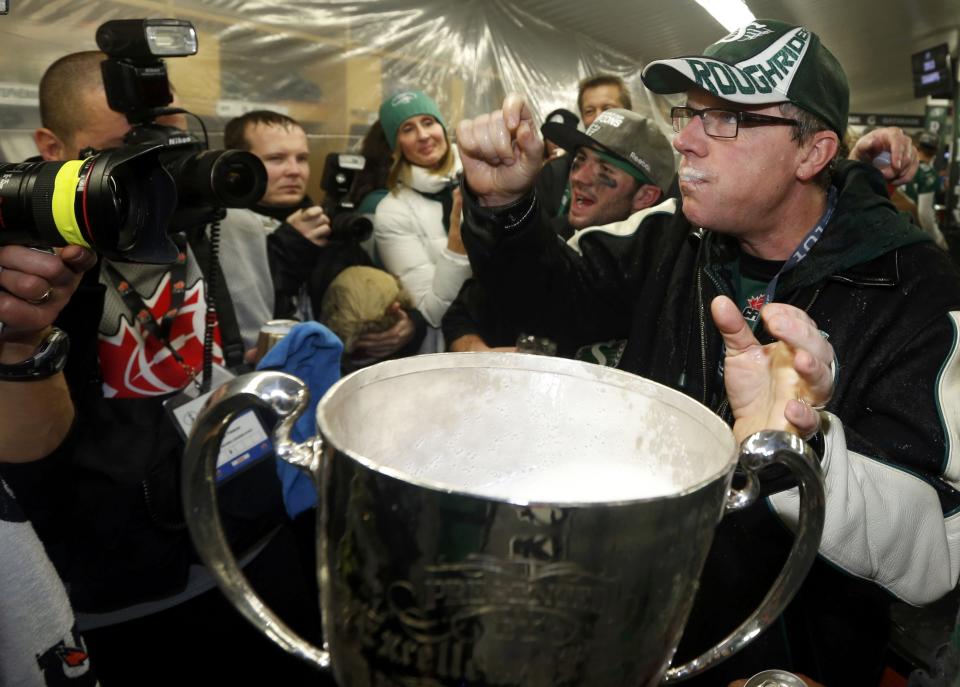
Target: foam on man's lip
[690,174]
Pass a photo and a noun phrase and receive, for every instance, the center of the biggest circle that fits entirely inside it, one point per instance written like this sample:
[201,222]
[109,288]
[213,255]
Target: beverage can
[270,333]
[775,678]
[882,160]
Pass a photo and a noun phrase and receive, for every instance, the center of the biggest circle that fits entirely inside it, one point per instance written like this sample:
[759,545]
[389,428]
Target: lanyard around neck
[804,247]
[141,312]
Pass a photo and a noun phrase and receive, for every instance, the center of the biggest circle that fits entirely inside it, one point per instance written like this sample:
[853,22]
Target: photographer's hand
[34,287]
[312,223]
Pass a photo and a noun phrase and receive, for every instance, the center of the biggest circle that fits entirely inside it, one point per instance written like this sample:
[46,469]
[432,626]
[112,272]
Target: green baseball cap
[632,139]
[763,63]
[400,107]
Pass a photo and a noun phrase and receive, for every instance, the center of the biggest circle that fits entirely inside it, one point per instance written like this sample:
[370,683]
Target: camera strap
[231,342]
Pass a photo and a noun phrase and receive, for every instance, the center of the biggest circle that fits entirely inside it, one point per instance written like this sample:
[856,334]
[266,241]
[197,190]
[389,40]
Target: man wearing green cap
[621,165]
[784,292]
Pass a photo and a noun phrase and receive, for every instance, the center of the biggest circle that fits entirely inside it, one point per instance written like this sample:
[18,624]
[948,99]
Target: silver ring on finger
[817,407]
[43,299]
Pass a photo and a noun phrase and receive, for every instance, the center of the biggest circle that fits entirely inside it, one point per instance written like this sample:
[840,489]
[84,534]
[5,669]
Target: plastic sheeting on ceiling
[328,64]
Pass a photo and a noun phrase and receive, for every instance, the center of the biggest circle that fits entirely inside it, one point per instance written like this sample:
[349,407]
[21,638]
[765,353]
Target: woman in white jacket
[417,225]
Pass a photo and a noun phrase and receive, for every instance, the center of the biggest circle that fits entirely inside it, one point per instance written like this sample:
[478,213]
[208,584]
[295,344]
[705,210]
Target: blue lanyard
[805,246]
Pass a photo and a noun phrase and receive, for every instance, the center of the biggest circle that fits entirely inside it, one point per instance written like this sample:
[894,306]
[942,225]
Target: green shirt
[925,181]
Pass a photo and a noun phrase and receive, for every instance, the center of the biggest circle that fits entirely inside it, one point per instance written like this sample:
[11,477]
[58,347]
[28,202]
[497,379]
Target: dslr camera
[123,202]
[346,224]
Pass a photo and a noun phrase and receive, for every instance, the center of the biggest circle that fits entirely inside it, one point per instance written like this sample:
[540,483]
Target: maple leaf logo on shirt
[135,364]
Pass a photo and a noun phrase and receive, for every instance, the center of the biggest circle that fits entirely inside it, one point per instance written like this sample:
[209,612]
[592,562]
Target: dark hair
[235,132]
[809,124]
[926,142]
[61,87]
[376,166]
[604,80]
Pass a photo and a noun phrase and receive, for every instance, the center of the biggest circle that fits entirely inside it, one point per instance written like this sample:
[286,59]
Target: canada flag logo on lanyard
[135,364]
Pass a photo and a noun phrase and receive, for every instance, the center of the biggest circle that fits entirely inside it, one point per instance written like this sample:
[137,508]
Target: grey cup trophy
[504,519]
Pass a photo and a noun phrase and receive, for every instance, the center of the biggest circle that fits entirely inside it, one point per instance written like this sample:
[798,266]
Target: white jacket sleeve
[402,249]
[928,219]
[882,523]
[892,468]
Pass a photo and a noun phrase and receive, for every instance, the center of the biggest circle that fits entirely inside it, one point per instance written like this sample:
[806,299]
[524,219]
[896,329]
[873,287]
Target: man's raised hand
[501,152]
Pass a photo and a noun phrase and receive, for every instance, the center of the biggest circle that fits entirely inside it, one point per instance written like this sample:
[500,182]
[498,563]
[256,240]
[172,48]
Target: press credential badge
[245,441]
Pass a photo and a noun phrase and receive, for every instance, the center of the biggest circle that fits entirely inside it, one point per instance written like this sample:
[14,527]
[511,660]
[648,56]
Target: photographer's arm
[34,287]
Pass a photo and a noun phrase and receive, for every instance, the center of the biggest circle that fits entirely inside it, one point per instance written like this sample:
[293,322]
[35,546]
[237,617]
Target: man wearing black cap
[559,116]
[863,306]
[621,165]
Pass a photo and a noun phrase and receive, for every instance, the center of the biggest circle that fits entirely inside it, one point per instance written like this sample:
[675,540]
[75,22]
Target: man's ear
[49,145]
[646,196]
[817,154]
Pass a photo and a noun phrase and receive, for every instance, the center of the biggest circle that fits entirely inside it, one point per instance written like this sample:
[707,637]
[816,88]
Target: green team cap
[763,63]
[400,107]
[630,141]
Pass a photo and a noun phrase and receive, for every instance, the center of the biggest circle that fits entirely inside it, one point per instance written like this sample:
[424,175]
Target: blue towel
[311,352]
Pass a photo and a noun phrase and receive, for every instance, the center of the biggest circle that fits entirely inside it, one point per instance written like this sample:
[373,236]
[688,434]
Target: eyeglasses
[720,123]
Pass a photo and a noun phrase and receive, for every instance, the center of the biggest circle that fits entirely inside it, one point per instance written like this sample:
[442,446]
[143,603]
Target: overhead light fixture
[732,14]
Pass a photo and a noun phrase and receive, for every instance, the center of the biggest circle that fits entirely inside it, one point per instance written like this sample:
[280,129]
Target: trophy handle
[757,451]
[287,397]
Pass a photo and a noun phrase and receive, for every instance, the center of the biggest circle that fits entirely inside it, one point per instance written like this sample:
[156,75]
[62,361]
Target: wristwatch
[49,359]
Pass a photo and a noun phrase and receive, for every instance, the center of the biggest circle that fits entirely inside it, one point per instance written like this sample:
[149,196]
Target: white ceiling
[873,39]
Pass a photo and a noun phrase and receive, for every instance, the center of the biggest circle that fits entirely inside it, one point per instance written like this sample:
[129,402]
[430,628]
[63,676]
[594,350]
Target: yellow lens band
[63,203]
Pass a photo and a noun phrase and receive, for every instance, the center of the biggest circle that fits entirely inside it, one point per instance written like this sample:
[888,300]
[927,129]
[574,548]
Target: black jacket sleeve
[292,258]
[467,315]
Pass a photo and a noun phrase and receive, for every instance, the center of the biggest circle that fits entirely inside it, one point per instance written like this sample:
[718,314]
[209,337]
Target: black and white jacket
[890,302]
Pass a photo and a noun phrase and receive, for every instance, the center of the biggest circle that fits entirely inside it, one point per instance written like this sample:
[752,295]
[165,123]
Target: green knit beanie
[398,108]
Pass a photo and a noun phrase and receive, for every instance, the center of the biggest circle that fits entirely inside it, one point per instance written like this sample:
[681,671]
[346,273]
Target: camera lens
[231,178]
[237,180]
[40,202]
[117,202]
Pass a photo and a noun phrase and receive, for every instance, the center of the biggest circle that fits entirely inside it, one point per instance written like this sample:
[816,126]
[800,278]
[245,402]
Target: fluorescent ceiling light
[732,14]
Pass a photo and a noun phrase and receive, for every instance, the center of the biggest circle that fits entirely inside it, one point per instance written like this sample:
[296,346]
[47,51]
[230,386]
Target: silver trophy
[498,519]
